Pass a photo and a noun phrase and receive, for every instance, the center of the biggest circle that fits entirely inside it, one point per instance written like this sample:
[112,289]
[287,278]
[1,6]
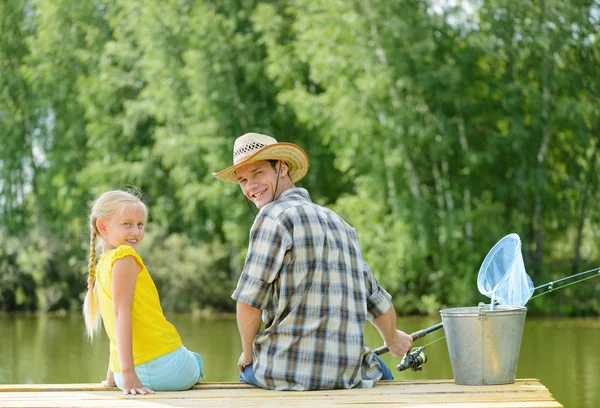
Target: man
[305,274]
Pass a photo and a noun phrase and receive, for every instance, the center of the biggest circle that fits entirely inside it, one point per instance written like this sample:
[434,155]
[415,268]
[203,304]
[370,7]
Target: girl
[146,353]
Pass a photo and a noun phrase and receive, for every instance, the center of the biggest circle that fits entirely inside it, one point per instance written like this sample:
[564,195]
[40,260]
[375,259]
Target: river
[562,353]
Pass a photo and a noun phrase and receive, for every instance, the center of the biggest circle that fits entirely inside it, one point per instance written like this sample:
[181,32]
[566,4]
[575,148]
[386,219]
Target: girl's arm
[124,275]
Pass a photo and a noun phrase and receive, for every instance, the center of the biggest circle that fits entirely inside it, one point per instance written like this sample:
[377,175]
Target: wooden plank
[277,404]
[422,394]
[408,384]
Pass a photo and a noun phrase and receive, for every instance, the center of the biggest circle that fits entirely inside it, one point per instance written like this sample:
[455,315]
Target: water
[562,353]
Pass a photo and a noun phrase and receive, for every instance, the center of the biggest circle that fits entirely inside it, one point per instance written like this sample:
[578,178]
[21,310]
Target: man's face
[258,181]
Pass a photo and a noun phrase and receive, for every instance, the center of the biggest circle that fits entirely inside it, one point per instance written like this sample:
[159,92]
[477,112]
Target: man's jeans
[248,375]
[387,373]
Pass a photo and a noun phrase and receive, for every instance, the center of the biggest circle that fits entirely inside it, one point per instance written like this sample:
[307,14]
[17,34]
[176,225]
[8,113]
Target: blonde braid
[92,263]
[91,311]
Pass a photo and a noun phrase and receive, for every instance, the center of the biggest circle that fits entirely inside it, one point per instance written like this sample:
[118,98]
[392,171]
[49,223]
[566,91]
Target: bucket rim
[475,310]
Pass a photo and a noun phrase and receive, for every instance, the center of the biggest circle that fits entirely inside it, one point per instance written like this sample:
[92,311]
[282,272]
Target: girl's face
[126,229]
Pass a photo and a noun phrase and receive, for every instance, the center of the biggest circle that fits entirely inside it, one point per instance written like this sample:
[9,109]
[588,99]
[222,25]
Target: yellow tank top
[152,334]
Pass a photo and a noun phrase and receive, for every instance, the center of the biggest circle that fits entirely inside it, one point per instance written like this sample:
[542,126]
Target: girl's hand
[108,383]
[110,380]
[132,385]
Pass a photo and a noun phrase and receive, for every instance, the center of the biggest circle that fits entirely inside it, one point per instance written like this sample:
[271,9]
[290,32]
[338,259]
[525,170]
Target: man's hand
[132,385]
[395,340]
[399,344]
[244,361]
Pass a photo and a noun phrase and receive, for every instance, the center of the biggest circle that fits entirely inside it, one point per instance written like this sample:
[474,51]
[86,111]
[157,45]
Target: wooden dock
[421,394]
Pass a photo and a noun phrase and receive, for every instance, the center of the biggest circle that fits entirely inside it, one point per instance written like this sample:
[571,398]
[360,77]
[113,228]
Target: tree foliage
[434,130]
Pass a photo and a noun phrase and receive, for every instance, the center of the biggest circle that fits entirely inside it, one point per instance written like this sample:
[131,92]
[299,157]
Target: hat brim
[293,155]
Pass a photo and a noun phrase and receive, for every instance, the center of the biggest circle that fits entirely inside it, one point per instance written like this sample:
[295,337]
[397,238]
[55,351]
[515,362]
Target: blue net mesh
[502,276]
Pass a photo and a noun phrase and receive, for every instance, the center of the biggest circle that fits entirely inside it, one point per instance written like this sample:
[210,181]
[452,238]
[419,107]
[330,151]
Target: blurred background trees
[435,128]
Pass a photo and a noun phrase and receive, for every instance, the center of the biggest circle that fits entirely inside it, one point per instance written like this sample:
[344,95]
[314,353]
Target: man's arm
[395,340]
[248,321]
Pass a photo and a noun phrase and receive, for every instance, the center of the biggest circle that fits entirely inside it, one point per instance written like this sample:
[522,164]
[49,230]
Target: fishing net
[502,276]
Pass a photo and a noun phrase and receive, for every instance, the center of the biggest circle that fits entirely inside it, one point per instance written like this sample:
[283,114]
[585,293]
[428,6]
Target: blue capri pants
[175,371]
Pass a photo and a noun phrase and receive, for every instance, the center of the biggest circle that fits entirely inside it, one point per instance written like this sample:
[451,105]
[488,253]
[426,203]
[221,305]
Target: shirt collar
[295,191]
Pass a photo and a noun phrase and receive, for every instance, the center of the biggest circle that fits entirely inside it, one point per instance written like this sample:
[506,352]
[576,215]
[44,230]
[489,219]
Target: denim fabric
[248,376]
[387,373]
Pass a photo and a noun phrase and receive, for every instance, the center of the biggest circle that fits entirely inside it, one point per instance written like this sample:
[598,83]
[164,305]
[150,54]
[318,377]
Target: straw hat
[253,147]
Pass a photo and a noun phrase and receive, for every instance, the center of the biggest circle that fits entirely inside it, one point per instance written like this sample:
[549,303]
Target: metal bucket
[484,344]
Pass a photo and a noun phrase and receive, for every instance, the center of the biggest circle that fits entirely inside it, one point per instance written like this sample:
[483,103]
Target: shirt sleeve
[269,242]
[378,300]
[125,251]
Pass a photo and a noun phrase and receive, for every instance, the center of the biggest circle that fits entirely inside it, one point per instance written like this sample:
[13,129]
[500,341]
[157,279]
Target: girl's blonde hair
[109,205]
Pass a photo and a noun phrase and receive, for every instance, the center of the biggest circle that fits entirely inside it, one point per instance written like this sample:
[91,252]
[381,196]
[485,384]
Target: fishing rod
[415,336]
[415,358]
[550,285]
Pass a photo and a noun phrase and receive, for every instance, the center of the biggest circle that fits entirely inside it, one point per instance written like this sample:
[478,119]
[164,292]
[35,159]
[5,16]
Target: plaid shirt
[305,271]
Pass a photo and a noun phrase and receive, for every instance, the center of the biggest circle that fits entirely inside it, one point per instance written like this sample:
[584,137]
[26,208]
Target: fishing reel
[414,360]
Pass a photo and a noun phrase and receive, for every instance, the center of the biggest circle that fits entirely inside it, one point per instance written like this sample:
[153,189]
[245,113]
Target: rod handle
[416,335]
